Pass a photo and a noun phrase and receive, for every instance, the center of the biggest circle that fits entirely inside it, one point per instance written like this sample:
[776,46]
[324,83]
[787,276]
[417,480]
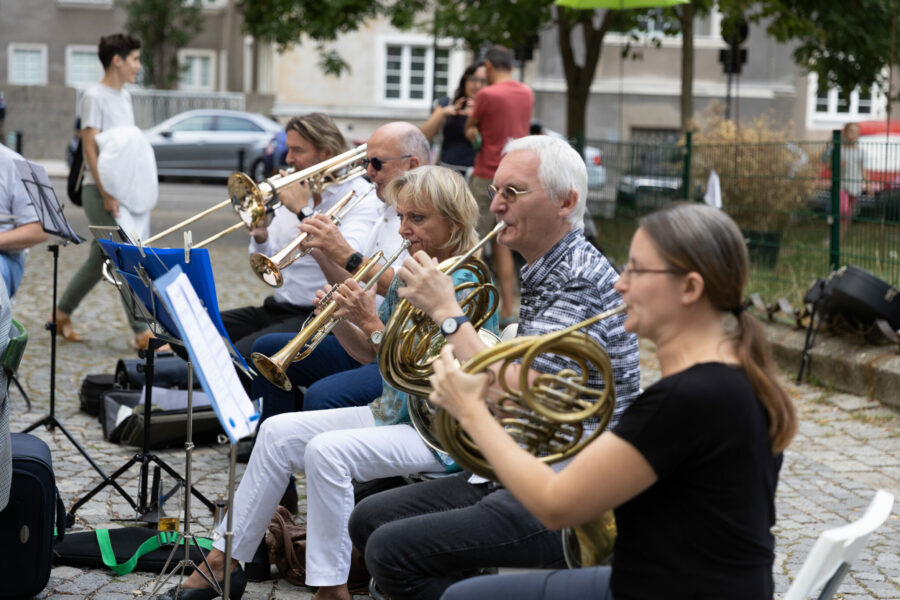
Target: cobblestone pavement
[847,446]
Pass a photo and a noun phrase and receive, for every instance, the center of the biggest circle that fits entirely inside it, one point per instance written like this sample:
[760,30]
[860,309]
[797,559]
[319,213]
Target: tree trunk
[580,77]
[687,65]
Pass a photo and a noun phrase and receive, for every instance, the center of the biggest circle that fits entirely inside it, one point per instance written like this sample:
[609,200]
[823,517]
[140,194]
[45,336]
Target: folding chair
[18,338]
[829,560]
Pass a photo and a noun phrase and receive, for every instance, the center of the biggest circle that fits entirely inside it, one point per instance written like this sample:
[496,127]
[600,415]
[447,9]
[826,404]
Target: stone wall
[44,114]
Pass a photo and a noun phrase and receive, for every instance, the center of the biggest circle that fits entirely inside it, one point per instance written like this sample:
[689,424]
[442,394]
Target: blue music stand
[135,268]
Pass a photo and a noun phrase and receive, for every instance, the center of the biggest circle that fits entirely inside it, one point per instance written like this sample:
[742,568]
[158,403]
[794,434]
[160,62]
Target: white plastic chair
[829,560]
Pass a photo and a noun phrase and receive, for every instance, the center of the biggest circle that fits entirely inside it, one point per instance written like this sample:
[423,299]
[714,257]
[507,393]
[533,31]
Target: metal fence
[805,208]
[155,106]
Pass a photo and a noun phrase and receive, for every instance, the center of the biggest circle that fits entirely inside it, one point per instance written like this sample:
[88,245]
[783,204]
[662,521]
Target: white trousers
[332,447]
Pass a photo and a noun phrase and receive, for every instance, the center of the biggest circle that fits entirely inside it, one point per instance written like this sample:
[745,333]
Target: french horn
[412,341]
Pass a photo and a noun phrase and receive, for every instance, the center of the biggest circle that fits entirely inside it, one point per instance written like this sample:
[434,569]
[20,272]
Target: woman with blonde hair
[691,467]
[334,447]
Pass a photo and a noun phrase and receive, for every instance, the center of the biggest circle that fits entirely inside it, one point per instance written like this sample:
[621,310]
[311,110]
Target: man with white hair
[419,539]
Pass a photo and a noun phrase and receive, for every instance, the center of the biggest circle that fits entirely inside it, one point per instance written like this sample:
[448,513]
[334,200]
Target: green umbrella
[618,4]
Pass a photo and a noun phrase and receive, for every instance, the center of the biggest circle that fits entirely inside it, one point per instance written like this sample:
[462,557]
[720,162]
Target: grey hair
[414,142]
[561,170]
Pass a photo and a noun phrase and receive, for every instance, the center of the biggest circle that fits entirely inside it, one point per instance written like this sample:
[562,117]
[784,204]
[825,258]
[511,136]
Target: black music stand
[53,221]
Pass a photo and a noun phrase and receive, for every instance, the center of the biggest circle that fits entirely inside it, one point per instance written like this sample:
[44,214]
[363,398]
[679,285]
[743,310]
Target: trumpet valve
[272,369]
[266,269]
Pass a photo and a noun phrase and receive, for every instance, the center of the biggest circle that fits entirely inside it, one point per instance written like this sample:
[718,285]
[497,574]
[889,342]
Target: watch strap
[353,262]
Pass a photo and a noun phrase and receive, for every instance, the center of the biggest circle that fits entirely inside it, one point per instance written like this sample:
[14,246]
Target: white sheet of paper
[211,359]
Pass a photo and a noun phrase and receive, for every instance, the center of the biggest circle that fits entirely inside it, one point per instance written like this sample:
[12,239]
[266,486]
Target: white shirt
[385,235]
[304,277]
[102,108]
[14,198]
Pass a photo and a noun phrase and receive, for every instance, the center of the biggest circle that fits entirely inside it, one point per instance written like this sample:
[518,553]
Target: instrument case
[862,297]
[168,428]
[27,523]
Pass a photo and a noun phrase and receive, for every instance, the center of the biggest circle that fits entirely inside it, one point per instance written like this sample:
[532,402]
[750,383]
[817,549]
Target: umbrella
[617,4]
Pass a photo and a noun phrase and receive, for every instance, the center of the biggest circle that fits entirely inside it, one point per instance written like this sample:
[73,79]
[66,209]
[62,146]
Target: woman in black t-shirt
[691,467]
[449,117]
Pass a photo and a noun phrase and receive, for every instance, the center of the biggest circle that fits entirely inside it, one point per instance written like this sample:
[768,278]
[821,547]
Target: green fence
[787,198]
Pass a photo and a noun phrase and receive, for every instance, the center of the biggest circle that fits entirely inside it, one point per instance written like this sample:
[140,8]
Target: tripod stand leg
[106,481]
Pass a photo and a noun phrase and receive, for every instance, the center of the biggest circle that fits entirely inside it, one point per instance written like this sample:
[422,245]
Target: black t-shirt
[703,530]
[456,149]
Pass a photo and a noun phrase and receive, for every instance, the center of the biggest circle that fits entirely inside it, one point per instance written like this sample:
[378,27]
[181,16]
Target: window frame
[210,55]
[11,50]
[455,67]
[831,118]
[71,49]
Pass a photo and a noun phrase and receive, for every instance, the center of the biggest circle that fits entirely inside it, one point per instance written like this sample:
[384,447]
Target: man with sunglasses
[419,539]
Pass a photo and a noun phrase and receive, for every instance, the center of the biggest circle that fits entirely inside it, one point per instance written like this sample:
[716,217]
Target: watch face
[376,337]
[449,326]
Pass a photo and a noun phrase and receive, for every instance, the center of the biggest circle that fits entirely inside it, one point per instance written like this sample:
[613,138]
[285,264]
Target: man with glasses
[419,539]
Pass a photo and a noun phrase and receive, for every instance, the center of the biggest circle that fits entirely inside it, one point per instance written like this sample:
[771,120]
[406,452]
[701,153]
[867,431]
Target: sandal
[142,340]
[64,328]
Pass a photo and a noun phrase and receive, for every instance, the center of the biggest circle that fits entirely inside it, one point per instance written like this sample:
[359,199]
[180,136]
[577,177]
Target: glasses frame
[378,163]
[492,192]
[627,272]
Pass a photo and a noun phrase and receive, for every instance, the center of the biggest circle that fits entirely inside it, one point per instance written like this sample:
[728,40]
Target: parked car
[207,142]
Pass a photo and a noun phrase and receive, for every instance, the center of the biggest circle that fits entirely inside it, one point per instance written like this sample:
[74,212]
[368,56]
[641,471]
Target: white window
[828,108]
[92,3]
[27,64]
[83,67]
[197,70]
[412,72]
[208,3]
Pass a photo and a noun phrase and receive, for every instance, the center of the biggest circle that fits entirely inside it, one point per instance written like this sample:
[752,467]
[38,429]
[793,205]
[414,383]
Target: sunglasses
[378,163]
[508,192]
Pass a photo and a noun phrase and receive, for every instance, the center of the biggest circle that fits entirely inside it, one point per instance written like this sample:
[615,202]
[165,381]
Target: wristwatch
[376,336]
[306,211]
[451,324]
[353,262]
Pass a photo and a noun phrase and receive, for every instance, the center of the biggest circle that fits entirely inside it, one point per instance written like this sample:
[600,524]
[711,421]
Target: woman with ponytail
[691,467]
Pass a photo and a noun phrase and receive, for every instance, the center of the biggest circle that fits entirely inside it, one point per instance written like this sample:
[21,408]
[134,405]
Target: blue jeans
[333,379]
[419,539]
[12,267]
[541,585]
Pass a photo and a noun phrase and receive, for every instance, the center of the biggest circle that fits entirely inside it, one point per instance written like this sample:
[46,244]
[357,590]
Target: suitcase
[92,389]
[27,523]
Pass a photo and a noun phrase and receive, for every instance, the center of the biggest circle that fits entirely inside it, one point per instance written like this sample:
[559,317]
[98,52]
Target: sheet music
[209,355]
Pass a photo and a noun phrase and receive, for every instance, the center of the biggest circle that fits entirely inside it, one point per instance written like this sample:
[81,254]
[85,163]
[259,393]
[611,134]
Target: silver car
[208,143]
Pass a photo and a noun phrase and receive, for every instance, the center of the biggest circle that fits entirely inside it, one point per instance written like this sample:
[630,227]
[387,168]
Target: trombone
[317,327]
[269,268]
[254,202]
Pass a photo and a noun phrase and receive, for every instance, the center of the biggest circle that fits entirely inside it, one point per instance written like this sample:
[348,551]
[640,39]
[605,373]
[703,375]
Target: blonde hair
[319,130]
[446,191]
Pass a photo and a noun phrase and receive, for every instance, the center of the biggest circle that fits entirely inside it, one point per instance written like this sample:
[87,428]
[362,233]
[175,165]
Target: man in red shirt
[502,112]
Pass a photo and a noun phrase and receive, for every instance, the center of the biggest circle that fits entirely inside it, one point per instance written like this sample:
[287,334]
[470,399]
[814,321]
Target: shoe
[64,328]
[259,569]
[238,583]
[244,450]
[142,340]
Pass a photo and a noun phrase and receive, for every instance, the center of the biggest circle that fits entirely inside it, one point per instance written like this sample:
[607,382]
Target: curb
[843,362]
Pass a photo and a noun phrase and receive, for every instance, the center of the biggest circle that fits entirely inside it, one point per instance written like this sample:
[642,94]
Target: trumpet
[317,327]
[269,269]
[412,341]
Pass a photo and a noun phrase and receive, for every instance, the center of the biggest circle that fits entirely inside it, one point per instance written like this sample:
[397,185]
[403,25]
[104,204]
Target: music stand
[134,268]
[50,214]
[218,378]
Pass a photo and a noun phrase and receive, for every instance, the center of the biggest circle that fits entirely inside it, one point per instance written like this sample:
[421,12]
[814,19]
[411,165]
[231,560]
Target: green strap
[160,539]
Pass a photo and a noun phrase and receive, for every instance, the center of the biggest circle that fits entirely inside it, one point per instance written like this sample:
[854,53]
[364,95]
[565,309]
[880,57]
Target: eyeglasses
[378,163]
[628,271]
[508,192]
